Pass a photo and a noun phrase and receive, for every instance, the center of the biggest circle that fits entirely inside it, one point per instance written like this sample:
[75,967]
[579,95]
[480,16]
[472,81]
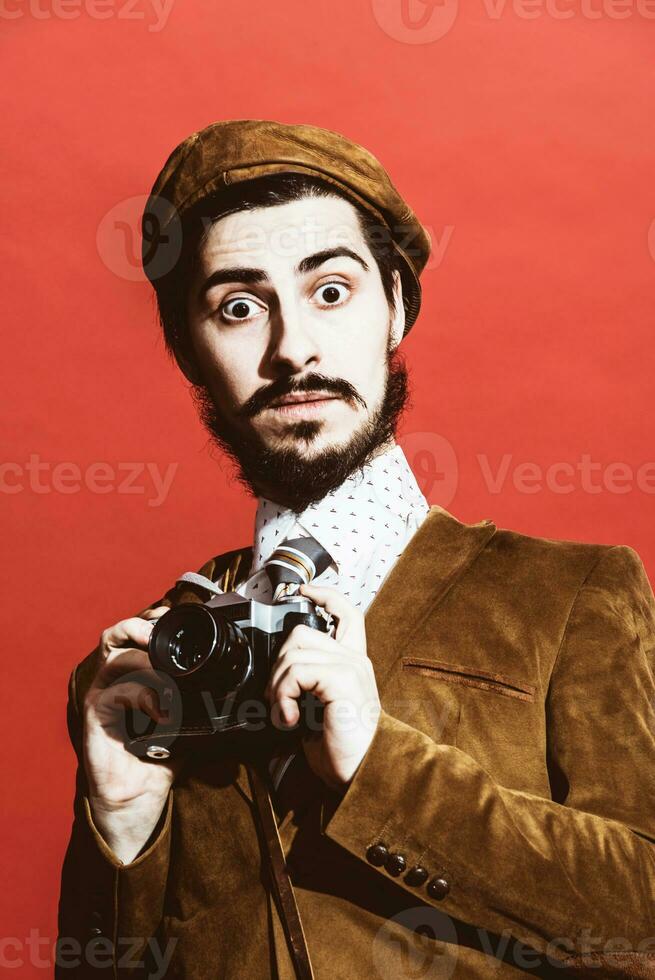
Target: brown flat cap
[235,150]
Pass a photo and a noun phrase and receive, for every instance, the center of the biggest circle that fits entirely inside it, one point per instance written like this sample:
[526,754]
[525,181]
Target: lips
[302,398]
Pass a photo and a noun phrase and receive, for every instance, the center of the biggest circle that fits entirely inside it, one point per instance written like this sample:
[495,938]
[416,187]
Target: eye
[239,308]
[332,293]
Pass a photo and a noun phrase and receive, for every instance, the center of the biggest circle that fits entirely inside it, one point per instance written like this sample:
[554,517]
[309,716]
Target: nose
[293,344]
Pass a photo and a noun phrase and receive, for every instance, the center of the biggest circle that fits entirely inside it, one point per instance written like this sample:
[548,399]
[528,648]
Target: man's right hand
[127,794]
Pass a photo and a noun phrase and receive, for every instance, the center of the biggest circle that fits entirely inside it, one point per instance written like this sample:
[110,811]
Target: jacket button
[377,854]
[417,876]
[395,864]
[438,888]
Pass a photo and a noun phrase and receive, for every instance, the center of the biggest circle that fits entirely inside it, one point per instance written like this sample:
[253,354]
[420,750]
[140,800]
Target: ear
[397,329]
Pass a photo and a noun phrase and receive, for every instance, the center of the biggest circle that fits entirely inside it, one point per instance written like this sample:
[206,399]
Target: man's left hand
[338,671]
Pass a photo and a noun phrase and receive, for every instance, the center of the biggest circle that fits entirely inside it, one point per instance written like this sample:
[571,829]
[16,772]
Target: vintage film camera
[219,655]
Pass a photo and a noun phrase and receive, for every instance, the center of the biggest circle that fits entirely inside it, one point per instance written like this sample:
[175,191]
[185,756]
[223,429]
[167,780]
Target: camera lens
[187,647]
[200,648]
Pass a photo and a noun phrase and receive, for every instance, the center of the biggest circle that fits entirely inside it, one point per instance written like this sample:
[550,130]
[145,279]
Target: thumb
[154,613]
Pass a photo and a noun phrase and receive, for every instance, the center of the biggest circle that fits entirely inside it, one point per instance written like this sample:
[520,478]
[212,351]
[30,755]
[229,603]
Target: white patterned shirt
[365,525]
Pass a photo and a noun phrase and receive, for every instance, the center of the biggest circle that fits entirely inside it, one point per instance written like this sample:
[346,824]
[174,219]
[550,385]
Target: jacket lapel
[436,556]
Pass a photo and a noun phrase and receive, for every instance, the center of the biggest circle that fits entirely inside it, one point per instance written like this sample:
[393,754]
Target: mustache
[263,397]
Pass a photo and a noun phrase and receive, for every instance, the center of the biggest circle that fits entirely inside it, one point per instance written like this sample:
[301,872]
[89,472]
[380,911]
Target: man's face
[291,329]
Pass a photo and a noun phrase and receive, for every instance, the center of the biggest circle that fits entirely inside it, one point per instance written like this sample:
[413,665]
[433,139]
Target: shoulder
[553,556]
[530,562]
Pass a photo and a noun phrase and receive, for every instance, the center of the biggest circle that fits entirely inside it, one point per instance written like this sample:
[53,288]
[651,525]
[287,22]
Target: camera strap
[281,881]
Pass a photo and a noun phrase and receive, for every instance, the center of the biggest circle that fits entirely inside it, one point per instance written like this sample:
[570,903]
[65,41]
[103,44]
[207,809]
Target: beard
[287,475]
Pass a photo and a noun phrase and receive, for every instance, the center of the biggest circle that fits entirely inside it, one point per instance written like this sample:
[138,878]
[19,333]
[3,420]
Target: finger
[289,711]
[306,638]
[154,613]
[128,632]
[307,657]
[309,677]
[350,621]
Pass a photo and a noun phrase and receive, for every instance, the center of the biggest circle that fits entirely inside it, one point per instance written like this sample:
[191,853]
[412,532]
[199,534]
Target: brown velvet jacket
[514,760]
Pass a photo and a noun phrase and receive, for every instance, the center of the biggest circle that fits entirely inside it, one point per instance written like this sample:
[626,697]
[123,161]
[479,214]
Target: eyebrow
[251,275]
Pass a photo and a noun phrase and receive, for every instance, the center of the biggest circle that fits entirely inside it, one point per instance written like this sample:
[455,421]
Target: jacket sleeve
[572,876]
[108,911]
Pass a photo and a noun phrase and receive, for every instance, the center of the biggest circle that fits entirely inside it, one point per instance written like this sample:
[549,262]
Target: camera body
[218,656]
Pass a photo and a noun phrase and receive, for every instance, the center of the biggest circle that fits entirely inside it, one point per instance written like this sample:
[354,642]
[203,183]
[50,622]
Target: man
[479,799]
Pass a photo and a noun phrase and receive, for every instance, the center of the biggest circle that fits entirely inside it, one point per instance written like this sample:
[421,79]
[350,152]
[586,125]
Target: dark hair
[267,191]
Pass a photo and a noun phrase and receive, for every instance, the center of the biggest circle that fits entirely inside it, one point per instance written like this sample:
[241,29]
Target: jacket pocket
[470,677]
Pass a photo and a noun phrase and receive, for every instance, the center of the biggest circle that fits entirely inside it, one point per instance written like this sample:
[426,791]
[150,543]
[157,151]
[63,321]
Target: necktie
[295,562]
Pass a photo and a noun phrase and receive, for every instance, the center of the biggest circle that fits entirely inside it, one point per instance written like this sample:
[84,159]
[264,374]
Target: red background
[529,138]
